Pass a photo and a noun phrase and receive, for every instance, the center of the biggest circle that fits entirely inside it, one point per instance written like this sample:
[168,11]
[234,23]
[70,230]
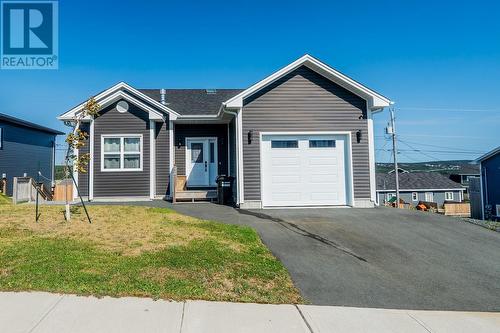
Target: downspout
[235,114]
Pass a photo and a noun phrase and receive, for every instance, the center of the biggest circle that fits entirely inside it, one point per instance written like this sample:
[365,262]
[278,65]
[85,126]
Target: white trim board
[121,88]
[152,159]
[374,99]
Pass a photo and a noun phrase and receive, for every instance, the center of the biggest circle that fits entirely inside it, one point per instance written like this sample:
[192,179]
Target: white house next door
[201,161]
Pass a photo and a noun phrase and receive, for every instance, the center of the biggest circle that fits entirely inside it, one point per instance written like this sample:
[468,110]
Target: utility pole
[395,153]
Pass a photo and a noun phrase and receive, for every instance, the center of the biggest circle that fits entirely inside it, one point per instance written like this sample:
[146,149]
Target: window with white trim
[448,196]
[429,196]
[414,196]
[121,153]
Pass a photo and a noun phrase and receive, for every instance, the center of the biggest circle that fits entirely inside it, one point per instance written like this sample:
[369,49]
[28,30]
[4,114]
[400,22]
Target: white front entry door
[201,161]
[304,170]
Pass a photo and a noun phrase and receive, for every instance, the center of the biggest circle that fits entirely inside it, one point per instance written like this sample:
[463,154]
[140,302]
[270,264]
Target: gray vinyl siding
[125,183]
[304,101]
[162,158]
[439,197]
[83,178]
[23,150]
[182,131]
[491,181]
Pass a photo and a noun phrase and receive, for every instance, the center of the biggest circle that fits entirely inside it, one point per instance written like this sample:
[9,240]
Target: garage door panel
[285,161]
[324,179]
[285,179]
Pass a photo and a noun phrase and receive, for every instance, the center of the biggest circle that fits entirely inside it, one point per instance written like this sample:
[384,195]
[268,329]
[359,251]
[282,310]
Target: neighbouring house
[489,167]
[463,175]
[25,149]
[419,186]
[303,136]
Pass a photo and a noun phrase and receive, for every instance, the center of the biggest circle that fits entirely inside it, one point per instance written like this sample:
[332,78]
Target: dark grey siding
[196,130]
[129,183]
[232,148]
[304,101]
[83,178]
[491,182]
[162,158]
[23,151]
[439,197]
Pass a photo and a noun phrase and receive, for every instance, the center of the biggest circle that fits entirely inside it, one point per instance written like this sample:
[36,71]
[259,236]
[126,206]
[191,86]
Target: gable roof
[375,100]
[489,154]
[193,101]
[416,181]
[122,90]
[27,124]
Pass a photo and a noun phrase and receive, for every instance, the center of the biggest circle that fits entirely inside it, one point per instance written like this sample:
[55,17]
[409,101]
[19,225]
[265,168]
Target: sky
[439,61]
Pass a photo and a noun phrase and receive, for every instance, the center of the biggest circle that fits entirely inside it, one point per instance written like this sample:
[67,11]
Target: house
[303,136]
[419,186]
[25,149]
[464,173]
[489,167]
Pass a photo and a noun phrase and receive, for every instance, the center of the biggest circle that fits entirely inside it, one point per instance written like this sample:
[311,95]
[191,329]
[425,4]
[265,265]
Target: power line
[436,146]
[409,108]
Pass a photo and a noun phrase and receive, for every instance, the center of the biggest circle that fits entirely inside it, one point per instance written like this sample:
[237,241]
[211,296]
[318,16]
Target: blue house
[25,149]
[489,167]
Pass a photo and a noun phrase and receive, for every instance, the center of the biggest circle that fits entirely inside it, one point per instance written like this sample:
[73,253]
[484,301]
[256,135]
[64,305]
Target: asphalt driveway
[381,257]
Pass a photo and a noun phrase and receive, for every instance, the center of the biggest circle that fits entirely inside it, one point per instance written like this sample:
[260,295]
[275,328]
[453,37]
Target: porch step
[193,195]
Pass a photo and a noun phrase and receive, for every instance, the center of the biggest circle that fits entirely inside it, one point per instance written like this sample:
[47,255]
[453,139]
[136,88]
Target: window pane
[196,152]
[111,145]
[132,161]
[212,152]
[321,143]
[284,144]
[132,144]
[112,162]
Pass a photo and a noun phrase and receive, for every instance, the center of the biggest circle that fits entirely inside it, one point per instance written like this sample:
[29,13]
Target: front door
[201,161]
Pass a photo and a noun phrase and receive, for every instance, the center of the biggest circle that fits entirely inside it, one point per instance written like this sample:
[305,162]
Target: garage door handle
[205,166]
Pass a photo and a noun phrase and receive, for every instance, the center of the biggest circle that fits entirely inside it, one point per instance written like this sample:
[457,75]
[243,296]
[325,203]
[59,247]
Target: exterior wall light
[358,136]
[250,134]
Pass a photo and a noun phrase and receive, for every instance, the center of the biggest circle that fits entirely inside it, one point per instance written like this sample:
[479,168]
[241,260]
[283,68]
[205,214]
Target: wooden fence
[23,190]
[63,191]
[457,209]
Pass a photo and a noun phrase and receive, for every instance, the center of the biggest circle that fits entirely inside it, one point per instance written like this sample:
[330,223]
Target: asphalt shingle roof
[24,123]
[193,101]
[416,181]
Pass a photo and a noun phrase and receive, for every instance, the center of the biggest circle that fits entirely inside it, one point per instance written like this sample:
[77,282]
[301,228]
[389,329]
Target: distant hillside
[444,167]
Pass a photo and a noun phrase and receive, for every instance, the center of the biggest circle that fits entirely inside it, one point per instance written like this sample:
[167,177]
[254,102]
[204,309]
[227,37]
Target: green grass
[4,199]
[138,251]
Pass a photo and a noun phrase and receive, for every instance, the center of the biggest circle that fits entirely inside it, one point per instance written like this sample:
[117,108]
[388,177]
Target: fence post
[14,191]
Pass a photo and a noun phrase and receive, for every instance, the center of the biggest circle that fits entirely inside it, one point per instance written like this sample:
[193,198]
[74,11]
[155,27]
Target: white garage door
[303,170]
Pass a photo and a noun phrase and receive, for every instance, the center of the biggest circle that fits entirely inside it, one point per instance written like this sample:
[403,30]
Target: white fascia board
[120,94]
[488,155]
[375,100]
[118,87]
[425,190]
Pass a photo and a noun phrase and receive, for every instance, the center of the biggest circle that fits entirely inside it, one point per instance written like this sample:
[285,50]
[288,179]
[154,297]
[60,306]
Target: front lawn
[137,251]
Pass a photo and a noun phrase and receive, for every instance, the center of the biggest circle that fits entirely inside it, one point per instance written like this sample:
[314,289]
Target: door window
[196,152]
[284,144]
[212,152]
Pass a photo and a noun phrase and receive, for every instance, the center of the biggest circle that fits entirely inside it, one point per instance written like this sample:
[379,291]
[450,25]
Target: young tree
[76,140]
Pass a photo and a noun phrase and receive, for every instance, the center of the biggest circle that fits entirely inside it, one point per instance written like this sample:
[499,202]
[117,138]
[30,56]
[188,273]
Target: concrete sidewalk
[43,312]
